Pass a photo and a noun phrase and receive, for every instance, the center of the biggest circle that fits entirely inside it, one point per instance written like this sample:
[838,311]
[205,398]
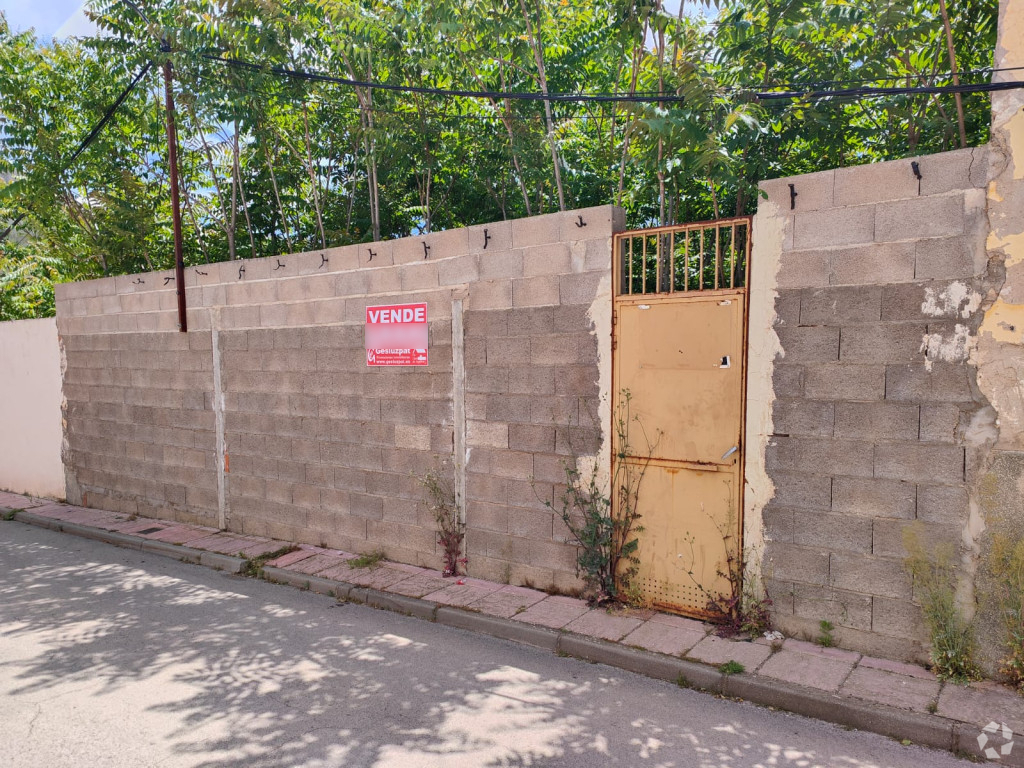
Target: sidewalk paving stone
[260,547]
[177,534]
[462,595]
[663,637]
[316,564]
[982,703]
[16,501]
[718,650]
[814,670]
[600,623]
[420,585]
[897,667]
[292,557]
[902,691]
[221,543]
[554,612]
[381,577]
[508,601]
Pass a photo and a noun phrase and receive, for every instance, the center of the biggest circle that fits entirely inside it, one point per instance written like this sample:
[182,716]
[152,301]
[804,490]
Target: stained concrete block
[920,217]
[877,421]
[874,497]
[875,182]
[841,306]
[920,462]
[875,264]
[839,381]
[835,227]
[809,344]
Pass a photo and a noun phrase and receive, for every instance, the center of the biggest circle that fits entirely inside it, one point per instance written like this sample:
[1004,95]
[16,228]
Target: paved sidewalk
[900,700]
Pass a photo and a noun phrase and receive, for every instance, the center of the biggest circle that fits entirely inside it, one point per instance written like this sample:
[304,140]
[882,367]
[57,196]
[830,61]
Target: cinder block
[954,170]
[490,238]
[940,423]
[532,380]
[550,259]
[531,437]
[536,230]
[803,417]
[492,323]
[789,562]
[878,263]
[383,280]
[944,258]
[944,382]
[500,264]
[925,302]
[843,609]
[801,489]
[877,421]
[487,434]
[457,270]
[875,182]
[490,294]
[788,380]
[535,291]
[419,276]
[814,191]
[517,465]
[920,217]
[833,533]
[839,381]
[306,288]
[530,523]
[804,269]
[779,523]
[809,344]
[825,455]
[867,574]
[581,288]
[560,349]
[841,306]
[834,227]
[942,504]
[874,497]
[412,437]
[897,618]
[481,516]
[357,282]
[920,462]
[889,536]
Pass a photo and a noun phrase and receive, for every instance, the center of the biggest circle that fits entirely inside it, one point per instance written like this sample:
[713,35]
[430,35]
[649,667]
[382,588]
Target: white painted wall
[30,408]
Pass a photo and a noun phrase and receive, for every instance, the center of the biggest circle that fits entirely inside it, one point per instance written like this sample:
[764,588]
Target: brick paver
[554,612]
[665,637]
[902,691]
[814,670]
[600,623]
[718,650]
[508,601]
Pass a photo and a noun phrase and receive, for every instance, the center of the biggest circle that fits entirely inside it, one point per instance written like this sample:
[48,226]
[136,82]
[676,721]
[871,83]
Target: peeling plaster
[955,349]
[768,237]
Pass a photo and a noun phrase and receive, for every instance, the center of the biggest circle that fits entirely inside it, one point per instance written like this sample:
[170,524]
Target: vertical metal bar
[643,266]
[732,257]
[686,263]
[700,282]
[718,253]
[172,161]
[672,261]
[631,265]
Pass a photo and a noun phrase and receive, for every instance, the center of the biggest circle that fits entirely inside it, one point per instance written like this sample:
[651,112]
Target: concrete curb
[923,729]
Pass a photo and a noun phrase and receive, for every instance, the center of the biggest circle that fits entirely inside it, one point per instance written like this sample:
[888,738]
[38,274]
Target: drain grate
[148,531]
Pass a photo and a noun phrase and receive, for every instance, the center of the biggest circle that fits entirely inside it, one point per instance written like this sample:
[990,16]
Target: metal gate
[679,350]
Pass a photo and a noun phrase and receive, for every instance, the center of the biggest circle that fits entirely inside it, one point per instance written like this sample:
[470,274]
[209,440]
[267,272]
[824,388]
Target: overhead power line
[642,98]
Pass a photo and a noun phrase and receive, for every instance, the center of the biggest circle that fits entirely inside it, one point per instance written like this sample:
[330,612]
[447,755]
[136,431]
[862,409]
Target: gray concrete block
[535,291]
[944,258]
[803,417]
[789,562]
[804,269]
[779,523]
[920,463]
[814,191]
[897,618]
[942,503]
[834,533]
[874,182]
[878,263]
[944,382]
[788,380]
[841,306]
[797,489]
[877,421]
[874,497]
[460,269]
[867,574]
[839,381]
[888,536]
[920,217]
[809,344]
[940,423]
[834,227]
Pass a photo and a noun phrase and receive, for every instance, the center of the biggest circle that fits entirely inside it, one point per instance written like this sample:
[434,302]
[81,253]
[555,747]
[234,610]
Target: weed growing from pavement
[603,518]
[253,566]
[952,636]
[371,559]
[825,637]
[451,531]
[10,513]
[731,667]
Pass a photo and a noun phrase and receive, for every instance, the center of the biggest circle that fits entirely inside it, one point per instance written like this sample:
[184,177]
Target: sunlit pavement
[110,657]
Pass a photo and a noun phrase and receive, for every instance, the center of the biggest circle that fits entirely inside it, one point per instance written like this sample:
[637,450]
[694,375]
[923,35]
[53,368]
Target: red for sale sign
[396,334]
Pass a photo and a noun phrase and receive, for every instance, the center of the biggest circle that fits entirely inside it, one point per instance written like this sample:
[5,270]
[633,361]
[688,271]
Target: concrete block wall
[316,446]
[875,280]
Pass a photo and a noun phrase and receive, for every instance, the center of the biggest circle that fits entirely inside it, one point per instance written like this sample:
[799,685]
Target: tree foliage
[271,164]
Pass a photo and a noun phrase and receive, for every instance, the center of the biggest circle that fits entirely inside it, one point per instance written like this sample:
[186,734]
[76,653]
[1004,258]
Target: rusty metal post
[172,160]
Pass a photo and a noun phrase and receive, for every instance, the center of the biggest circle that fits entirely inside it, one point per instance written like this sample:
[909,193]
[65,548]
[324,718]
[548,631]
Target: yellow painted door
[681,358]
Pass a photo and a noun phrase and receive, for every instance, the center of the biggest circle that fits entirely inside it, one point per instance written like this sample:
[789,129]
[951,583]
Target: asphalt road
[110,657]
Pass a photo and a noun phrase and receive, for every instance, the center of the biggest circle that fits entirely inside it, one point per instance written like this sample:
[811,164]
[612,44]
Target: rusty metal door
[679,325]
